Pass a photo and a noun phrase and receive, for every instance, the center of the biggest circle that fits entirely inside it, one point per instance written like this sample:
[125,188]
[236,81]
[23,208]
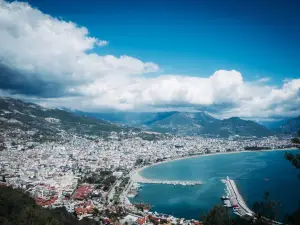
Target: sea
[255,173]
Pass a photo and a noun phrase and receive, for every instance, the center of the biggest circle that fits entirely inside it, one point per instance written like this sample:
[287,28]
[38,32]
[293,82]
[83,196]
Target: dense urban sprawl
[91,177]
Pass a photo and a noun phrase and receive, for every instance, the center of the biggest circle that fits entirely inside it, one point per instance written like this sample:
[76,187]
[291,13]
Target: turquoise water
[248,169]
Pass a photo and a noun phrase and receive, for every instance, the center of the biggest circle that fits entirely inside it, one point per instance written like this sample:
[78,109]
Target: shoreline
[136,177]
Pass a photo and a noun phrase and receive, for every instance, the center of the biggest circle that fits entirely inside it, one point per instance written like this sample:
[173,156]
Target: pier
[236,200]
[136,177]
[239,205]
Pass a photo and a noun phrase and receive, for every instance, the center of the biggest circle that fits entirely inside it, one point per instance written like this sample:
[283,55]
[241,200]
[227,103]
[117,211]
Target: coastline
[135,175]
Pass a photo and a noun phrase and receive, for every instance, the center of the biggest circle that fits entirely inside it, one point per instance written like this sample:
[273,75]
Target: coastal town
[95,177]
[132,112]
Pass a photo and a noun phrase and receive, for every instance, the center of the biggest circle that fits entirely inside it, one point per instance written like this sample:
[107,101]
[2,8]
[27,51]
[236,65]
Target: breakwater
[236,200]
[170,182]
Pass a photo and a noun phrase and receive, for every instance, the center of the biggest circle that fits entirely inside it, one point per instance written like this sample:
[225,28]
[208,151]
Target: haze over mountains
[196,123]
[290,126]
[49,123]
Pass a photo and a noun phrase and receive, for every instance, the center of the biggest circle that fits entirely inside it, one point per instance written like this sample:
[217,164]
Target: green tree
[18,208]
[95,211]
[294,159]
[218,215]
[296,140]
[293,218]
[267,208]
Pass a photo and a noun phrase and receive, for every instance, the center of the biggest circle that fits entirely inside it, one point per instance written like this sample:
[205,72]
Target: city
[88,176]
[149,112]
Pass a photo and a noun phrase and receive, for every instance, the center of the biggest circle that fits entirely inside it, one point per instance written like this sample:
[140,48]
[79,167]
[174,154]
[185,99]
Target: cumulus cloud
[52,62]
[224,92]
[38,47]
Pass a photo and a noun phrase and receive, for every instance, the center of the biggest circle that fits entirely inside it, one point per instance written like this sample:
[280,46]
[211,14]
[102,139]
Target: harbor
[137,178]
[235,200]
[210,171]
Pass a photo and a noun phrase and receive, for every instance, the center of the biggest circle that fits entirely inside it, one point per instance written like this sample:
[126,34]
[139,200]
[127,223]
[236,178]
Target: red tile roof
[82,192]
[142,220]
[44,202]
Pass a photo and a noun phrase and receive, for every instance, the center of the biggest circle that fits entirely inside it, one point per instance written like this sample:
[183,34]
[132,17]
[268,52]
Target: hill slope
[291,126]
[187,123]
[28,119]
[235,126]
[17,207]
[182,123]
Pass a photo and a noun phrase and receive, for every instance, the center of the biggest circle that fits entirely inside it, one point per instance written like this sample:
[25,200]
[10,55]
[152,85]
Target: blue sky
[257,38]
[229,58]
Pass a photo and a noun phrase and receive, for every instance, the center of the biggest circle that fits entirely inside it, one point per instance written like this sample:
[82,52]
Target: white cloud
[53,54]
[102,43]
[264,80]
[222,88]
[54,50]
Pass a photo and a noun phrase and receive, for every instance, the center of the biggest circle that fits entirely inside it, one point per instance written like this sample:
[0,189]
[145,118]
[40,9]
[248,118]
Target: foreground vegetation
[18,208]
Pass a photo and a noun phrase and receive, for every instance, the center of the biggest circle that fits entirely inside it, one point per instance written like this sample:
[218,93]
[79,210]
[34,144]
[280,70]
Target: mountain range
[49,123]
[187,123]
[32,121]
[198,123]
[290,126]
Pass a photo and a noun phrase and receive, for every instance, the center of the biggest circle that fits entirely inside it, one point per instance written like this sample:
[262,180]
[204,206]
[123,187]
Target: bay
[254,173]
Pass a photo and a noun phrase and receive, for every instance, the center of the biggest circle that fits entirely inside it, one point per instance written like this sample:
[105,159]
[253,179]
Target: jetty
[235,200]
[170,182]
[137,178]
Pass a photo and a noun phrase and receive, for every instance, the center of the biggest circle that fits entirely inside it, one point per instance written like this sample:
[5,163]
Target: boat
[227,203]
[131,195]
